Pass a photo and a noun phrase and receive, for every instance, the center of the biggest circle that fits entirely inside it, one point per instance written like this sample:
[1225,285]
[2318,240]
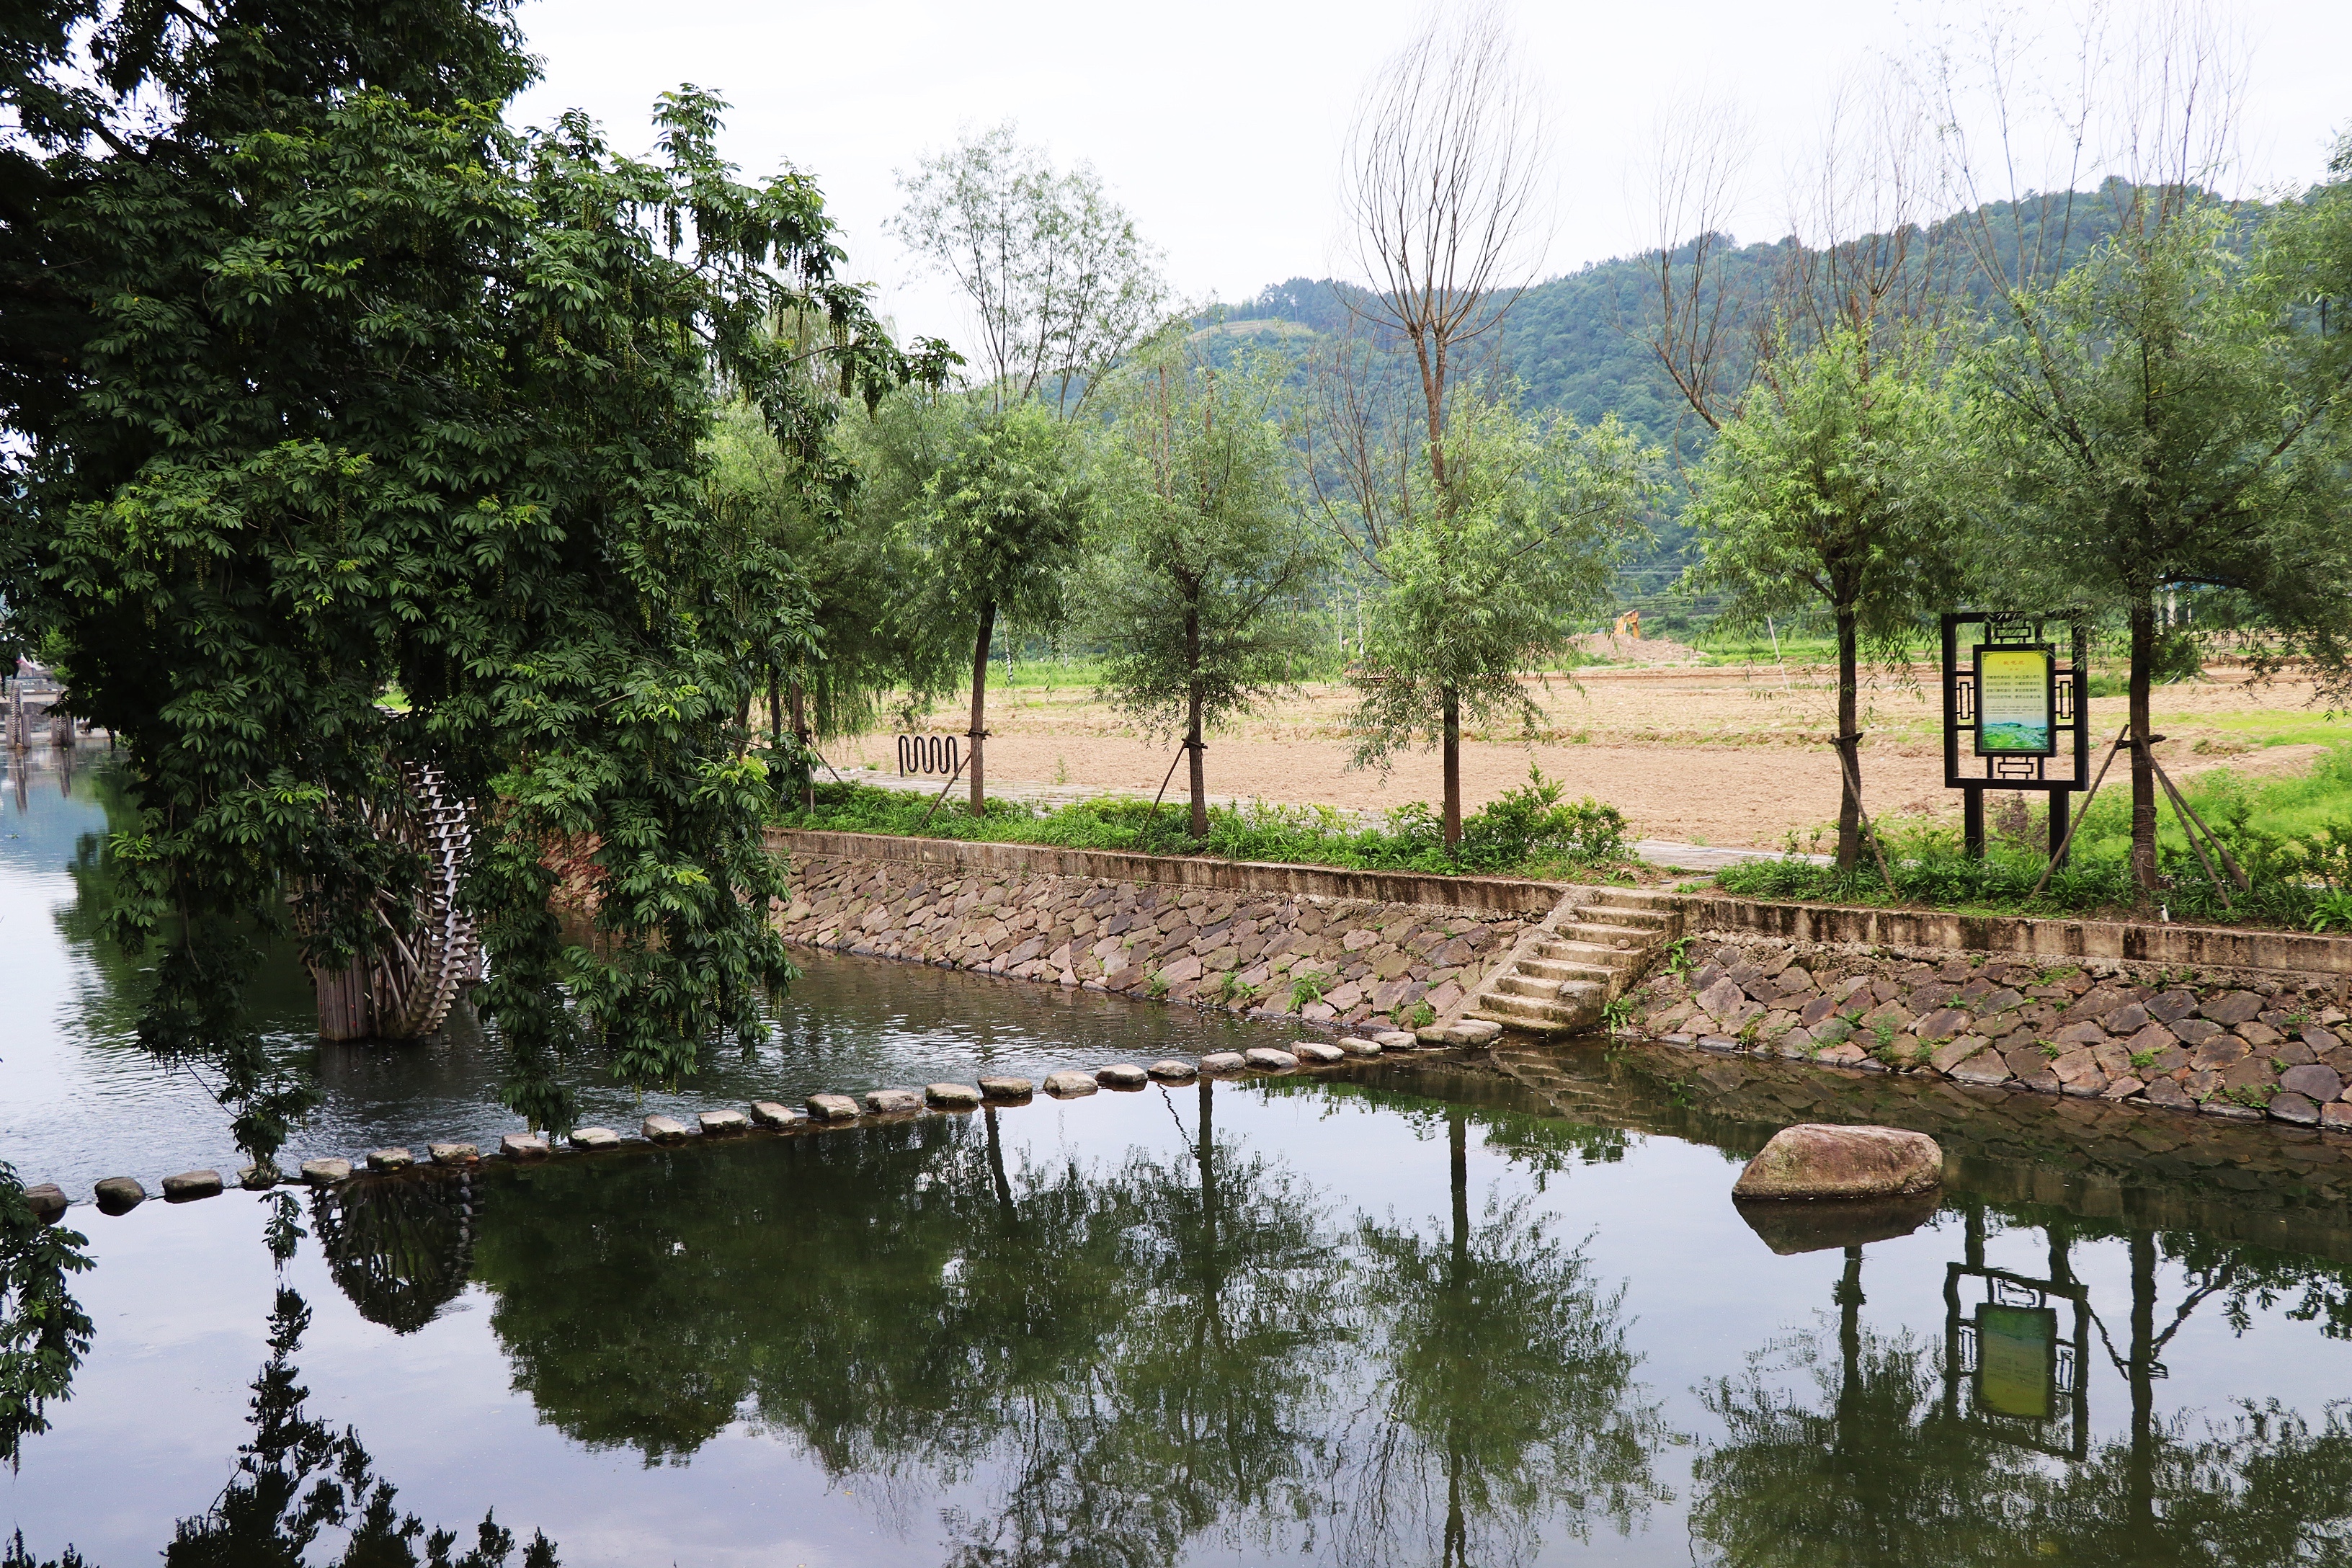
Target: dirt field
[1733,756]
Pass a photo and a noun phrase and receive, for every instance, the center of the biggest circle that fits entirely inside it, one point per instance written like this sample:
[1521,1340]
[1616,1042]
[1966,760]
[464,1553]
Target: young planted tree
[1478,568]
[2169,414]
[1540,514]
[1060,284]
[1202,558]
[1815,390]
[1004,518]
[1826,496]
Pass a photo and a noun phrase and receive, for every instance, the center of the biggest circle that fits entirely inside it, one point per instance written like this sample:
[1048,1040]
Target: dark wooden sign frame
[2069,691]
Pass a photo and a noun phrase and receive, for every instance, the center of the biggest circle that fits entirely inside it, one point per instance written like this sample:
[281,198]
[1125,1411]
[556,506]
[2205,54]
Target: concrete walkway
[1656,851]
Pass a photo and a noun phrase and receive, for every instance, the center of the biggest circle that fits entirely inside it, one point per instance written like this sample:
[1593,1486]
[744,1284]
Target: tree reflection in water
[1126,1357]
[1887,1467]
[401,1248]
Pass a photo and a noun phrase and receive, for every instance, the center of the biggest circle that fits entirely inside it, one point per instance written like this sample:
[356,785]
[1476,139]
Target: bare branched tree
[1443,188]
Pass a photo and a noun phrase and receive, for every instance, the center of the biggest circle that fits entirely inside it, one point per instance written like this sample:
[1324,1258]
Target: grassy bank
[1529,831]
[2292,837]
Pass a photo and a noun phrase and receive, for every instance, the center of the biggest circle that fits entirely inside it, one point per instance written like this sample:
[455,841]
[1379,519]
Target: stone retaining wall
[1245,949]
[1484,895]
[2139,941]
[2233,1043]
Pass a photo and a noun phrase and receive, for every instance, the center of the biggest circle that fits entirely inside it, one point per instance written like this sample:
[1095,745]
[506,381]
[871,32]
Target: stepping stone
[768,1113]
[1472,1031]
[1069,1084]
[1356,1045]
[1266,1058]
[594,1138]
[832,1108]
[119,1194]
[327,1172]
[1122,1075]
[1002,1089]
[192,1185]
[390,1159]
[893,1101]
[718,1124]
[1432,1038]
[1397,1040]
[48,1202]
[952,1096]
[514,1145]
[663,1129]
[1173,1071]
[1222,1062]
[256,1178]
[1315,1051]
[452,1153]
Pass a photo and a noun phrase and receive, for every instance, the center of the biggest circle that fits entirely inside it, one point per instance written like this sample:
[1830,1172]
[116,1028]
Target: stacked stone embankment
[1333,961]
[2237,1044]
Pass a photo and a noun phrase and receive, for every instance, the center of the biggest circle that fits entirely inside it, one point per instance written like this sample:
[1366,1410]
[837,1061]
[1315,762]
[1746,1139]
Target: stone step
[1527,1012]
[1644,898]
[1601,930]
[1608,909]
[1616,960]
[1566,969]
[1524,985]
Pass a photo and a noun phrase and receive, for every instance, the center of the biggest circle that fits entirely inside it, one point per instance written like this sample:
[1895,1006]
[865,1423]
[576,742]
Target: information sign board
[2017,700]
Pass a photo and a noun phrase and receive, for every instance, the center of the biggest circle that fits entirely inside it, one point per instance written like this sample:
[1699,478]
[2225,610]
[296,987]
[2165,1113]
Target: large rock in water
[1811,1161]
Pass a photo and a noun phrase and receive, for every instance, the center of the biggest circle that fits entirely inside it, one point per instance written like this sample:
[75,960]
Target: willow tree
[2170,412]
[342,387]
[1202,558]
[1826,495]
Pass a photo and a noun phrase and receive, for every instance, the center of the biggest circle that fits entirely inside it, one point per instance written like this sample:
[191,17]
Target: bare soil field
[1723,756]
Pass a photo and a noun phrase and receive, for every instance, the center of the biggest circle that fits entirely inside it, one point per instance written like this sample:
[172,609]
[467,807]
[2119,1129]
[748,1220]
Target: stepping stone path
[1003,1090]
[390,1159]
[1266,1058]
[768,1113]
[190,1184]
[119,1194]
[663,1129]
[48,1202]
[1317,1052]
[594,1138]
[327,1172]
[1397,1040]
[1356,1046]
[952,1096]
[1171,1070]
[514,1146]
[1069,1084]
[1222,1062]
[1122,1075]
[718,1124]
[1561,975]
[452,1153]
[832,1108]
[893,1101]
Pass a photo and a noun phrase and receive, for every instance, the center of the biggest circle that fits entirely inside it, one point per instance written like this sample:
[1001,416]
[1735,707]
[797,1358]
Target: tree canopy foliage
[359,428]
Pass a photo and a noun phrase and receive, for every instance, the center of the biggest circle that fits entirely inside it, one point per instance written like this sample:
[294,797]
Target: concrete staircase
[1563,973]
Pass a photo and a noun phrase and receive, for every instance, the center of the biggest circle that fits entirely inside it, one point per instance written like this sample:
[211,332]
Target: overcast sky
[1219,124]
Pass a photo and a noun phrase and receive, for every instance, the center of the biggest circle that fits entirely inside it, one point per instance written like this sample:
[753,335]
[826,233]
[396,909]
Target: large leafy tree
[2170,413]
[327,386]
[1201,556]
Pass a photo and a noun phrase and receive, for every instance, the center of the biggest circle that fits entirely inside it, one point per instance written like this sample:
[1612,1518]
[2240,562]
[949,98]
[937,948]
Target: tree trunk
[2143,763]
[978,732]
[2139,1484]
[801,733]
[775,711]
[1198,770]
[1849,743]
[1452,749]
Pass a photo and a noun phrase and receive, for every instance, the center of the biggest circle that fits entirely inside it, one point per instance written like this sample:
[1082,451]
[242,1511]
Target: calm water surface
[1494,1313]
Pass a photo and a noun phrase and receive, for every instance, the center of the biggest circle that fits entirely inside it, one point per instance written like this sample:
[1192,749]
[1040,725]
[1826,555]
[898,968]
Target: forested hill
[1576,340]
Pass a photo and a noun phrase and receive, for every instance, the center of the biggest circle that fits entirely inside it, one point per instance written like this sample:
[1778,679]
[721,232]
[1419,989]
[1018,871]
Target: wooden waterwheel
[404,989]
